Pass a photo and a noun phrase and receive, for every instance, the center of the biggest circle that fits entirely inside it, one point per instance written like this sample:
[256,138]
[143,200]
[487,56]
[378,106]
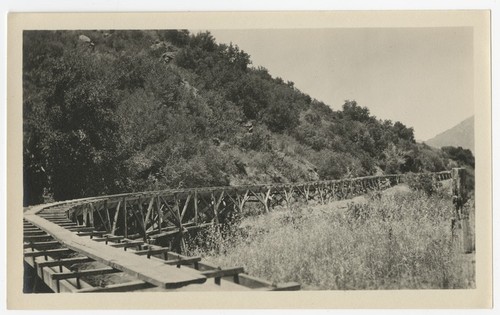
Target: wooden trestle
[138,238]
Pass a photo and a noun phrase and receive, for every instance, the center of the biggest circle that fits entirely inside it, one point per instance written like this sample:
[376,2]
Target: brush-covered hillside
[121,111]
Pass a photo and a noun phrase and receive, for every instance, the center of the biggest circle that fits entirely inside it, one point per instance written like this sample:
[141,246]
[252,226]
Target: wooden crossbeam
[120,287]
[148,212]
[81,229]
[108,217]
[92,233]
[69,224]
[62,220]
[51,216]
[219,273]
[108,238]
[82,273]
[151,252]
[184,261]
[33,233]
[31,229]
[222,272]
[171,210]
[40,244]
[185,207]
[115,219]
[289,286]
[37,237]
[126,245]
[98,214]
[140,220]
[65,261]
[47,252]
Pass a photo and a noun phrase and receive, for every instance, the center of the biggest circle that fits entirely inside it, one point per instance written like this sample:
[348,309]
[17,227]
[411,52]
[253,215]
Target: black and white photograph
[299,159]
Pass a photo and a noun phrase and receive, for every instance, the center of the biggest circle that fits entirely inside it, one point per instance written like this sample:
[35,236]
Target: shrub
[423,182]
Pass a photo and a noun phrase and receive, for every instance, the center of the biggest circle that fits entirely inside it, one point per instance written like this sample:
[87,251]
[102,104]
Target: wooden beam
[65,261]
[219,273]
[41,244]
[108,217]
[37,237]
[185,207]
[71,224]
[196,206]
[152,252]
[120,287]
[65,220]
[149,211]
[82,273]
[81,229]
[108,238]
[91,233]
[31,229]
[184,261]
[149,270]
[113,230]
[126,245]
[158,208]
[47,252]
[99,214]
[34,233]
[289,286]
[125,218]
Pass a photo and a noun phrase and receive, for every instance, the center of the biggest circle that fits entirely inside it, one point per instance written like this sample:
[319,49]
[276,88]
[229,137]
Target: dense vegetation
[396,240]
[116,111]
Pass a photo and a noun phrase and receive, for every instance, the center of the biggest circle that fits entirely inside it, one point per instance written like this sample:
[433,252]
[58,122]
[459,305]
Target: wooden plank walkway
[98,229]
[151,271]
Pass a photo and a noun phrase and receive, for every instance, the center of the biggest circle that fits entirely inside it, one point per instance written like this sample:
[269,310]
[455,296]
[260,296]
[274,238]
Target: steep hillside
[115,111]
[461,135]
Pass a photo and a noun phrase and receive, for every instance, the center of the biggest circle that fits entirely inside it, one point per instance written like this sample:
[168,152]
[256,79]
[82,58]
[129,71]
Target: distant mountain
[462,135]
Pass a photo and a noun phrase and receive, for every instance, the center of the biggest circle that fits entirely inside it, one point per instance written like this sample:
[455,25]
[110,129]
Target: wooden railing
[165,216]
[153,224]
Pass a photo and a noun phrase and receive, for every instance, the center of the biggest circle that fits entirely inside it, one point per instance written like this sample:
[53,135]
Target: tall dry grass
[397,241]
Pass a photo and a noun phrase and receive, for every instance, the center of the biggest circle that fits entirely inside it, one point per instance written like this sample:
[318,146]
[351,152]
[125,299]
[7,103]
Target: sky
[422,77]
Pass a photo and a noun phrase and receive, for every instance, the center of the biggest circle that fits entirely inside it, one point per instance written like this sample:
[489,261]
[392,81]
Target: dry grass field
[399,239]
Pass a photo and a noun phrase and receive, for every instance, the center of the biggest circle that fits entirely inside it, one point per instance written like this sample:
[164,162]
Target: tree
[76,134]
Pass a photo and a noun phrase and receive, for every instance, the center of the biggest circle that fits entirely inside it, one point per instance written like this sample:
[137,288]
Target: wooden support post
[47,252]
[91,217]
[184,209]
[158,209]
[179,261]
[108,218]
[180,244]
[195,207]
[149,212]
[125,217]
[85,217]
[113,230]
[140,220]
[266,200]
[461,214]
[288,197]
[306,193]
[320,191]
[64,261]
[242,201]
[108,238]
[218,273]
[216,207]
[99,214]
